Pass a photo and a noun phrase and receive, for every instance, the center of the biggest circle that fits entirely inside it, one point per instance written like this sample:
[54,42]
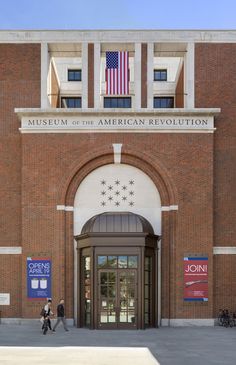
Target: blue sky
[120,14]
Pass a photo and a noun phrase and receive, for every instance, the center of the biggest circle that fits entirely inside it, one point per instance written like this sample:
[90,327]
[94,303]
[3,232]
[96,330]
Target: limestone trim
[29,321]
[24,131]
[137,78]
[117,152]
[44,75]
[10,250]
[65,208]
[114,120]
[189,72]
[43,112]
[224,250]
[187,322]
[85,75]
[150,55]
[97,62]
[124,35]
[169,208]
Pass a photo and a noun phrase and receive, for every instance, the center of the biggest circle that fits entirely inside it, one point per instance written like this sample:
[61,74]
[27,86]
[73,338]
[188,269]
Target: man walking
[61,316]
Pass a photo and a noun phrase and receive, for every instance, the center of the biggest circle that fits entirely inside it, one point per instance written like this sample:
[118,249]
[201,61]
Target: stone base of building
[190,322]
[165,322]
[29,321]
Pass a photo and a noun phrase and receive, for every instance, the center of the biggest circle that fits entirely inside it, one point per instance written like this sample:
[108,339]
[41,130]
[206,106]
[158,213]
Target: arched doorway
[117,280]
[123,188]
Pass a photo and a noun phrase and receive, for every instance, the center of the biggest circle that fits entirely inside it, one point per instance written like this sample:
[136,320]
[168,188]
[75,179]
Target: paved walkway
[170,346]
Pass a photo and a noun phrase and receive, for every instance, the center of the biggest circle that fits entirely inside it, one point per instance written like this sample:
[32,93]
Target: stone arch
[131,156]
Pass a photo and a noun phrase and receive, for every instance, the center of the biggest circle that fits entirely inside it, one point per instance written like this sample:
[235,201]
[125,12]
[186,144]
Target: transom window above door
[120,262]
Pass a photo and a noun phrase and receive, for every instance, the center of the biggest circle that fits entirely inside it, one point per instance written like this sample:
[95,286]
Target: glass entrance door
[127,298]
[117,298]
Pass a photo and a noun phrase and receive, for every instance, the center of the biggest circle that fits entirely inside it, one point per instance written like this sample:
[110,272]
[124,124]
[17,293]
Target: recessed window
[163,102]
[74,75]
[160,75]
[70,102]
[117,102]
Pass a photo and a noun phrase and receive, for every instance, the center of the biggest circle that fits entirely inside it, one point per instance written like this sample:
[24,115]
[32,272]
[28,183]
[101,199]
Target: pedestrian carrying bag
[42,313]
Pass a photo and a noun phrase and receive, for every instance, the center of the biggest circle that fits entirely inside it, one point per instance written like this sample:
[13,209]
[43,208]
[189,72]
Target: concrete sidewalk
[178,346]
[76,355]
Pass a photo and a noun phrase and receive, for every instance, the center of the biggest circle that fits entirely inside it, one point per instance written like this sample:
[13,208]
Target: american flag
[117,73]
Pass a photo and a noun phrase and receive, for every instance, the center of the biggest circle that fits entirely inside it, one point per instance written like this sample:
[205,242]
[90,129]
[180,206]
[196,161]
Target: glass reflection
[111,277]
[103,317]
[103,291]
[87,263]
[122,262]
[131,317]
[132,262]
[86,289]
[112,261]
[123,316]
[112,291]
[102,261]
[104,278]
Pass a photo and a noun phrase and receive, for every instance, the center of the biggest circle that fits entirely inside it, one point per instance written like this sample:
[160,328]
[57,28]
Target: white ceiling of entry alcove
[117,187]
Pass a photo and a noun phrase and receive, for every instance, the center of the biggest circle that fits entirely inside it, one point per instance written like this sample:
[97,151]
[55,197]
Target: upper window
[117,102]
[74,75]
[163,102]
[160,75]
[69,102]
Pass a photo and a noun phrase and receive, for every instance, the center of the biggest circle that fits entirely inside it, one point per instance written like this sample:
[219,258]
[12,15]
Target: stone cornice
[124,35]
[59,112]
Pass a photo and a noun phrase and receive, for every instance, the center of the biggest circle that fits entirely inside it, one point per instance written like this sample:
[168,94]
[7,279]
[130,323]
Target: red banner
[196,279]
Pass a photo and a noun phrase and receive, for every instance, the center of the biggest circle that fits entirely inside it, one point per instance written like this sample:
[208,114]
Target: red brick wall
[179,91]
[19,88]
[10,282]
[144,75]
[215,86]
[90,75]
[224,282]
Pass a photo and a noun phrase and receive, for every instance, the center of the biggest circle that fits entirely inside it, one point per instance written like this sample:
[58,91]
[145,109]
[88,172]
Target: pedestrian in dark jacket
[60,316]
[45,325]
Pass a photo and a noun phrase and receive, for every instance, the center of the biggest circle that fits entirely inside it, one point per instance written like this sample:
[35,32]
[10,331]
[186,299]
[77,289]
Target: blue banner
[38,278]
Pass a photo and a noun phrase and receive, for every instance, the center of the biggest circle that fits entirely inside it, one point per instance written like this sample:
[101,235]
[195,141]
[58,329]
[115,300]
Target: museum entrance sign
[69,121]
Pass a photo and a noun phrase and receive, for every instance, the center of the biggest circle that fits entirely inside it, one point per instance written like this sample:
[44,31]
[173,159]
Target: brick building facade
[174,166]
